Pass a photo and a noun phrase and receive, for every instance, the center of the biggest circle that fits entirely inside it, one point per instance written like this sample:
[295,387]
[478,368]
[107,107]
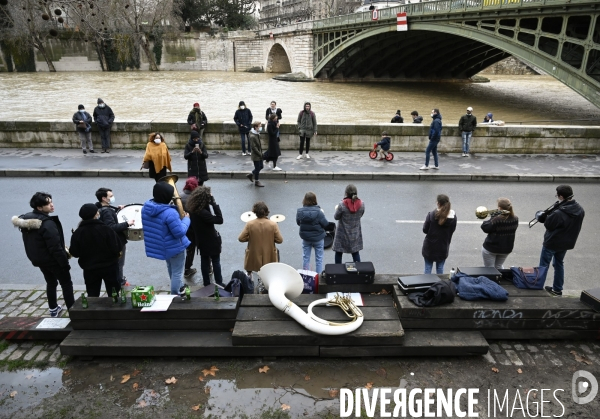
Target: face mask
[102,105]
[432,115]
[242,107]
[157,141]
[259,129]
[82,110]
[112,199]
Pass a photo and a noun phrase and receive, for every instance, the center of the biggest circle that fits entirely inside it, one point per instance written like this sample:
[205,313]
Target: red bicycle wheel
[373,154]
[389,156]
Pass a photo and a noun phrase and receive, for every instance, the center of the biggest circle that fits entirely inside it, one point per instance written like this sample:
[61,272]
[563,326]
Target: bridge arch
[278,60]
[435,50]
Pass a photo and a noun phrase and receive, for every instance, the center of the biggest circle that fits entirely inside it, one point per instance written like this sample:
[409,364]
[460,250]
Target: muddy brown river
[168,96]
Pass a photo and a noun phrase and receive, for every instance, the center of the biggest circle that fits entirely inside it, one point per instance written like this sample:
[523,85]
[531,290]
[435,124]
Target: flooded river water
[168,96]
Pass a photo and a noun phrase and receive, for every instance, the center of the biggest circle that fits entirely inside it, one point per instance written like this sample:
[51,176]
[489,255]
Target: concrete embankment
[509,139]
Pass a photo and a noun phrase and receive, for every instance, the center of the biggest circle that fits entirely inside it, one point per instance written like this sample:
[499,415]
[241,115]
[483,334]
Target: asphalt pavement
[355,165]
[392,224]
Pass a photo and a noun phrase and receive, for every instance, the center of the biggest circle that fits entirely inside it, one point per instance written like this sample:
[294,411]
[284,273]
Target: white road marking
[459,222]
[489,358]
[512,355]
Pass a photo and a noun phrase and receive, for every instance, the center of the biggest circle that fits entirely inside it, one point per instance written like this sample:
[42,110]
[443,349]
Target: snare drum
[132,212]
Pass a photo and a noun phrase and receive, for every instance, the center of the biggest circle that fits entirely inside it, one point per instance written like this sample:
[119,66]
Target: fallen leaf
[384,292]
[520,371]
[13,394]
[201,378]
[135,386]
[535,395]
[496,370]
[66,372]
[135,373]
[197,407]
[369,385]
[208,372]
[142,403]
[207,390]
[381,372]
[307,377]
[214,369]
[171,380]
[581,358]
[29,376]
[126,378]
[285,407]
[333,393]
[264,369]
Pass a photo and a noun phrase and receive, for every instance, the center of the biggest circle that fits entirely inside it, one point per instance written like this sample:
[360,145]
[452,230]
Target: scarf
[159,155]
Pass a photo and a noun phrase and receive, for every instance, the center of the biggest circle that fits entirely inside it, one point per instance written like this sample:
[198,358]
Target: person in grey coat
[348,234]
[83,126]
[307,127]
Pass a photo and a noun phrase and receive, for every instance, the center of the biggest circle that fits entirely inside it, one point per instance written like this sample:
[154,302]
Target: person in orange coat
[157,155]
[261,235]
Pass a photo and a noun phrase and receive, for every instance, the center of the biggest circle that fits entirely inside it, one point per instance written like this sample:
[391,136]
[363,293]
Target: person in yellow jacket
[157,157]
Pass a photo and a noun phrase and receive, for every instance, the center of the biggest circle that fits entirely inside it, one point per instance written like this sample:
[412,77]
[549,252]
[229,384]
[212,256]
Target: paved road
[393,246]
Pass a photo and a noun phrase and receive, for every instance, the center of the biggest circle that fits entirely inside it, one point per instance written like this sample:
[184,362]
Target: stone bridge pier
[288,51]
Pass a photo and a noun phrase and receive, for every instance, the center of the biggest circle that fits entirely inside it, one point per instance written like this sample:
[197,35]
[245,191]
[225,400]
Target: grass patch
[3,345]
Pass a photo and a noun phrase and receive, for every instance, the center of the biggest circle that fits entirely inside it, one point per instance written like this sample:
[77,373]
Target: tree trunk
[39,45]
[101,56]
[148,52]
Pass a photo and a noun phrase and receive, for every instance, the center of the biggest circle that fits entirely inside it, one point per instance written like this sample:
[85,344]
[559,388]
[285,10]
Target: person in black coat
[45,248]
[104,118]
[439,227]
[195,153]
[208,239]
[501,230]
[273,109]
[243,119]
[83,126]
[108,215]
[273,152]
[98,249]
[197,120]
[397,119]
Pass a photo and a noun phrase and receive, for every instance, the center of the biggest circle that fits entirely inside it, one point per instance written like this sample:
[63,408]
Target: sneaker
[465,155]
[92,151]
[189,272]
[84,152]
[299,157]
[250,177]
[270,165]
[109,152]
[103,150]
[435,167]
[182,290]
[257,183]
[124,282]
[56,311]
[553,291]
[424,167]
[277,168]
[307,156]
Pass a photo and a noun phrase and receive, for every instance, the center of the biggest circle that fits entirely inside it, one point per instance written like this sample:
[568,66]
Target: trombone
[483,212]
[539,214]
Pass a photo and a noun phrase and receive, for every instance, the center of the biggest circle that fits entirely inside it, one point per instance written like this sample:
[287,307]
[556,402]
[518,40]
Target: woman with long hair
[348,234]
[501,230]
[208,239]
[195,153]
[273,151]
[439,227]
[312,222]
[157,155]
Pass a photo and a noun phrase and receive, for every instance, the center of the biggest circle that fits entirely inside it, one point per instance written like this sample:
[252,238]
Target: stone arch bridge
[446,39]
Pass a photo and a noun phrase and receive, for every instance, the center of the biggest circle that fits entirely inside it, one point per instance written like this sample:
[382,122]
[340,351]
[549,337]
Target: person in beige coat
[261,235]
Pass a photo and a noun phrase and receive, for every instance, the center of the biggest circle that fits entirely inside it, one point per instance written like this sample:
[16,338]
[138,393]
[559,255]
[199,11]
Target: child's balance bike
[373,153]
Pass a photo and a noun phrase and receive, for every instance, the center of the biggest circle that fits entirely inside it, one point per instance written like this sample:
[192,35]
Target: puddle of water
[31,386]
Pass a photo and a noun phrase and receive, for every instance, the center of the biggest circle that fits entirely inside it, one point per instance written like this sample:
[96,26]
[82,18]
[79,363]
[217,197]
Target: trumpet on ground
[483,212]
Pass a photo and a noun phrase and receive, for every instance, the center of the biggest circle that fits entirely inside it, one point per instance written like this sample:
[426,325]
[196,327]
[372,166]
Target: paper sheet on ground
[161,303]
[53,323]
[355,296]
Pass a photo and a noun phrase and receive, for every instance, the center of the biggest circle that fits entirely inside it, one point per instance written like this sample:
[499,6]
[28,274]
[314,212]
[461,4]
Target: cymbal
[277,218]
[248,216]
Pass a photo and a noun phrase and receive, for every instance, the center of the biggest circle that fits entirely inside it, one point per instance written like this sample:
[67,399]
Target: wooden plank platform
[25,328]
[169,343]
[418,343]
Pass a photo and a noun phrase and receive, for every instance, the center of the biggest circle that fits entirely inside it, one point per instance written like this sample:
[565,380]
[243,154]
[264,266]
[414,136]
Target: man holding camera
[562,229]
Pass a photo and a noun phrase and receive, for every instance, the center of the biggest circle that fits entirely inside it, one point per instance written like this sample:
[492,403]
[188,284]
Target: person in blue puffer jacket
[312,222]
[165,234]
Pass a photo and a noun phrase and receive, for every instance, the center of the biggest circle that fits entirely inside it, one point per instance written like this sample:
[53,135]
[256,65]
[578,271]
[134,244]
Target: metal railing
[440,6]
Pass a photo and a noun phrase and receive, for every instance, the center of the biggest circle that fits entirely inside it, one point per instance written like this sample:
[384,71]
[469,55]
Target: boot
[250,177]
[257,183]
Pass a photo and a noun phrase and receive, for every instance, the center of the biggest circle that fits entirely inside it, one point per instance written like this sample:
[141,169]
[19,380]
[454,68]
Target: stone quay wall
[518,139]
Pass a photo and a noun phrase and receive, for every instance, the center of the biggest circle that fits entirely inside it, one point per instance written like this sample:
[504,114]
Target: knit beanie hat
[196,105]
[88,211]
[163,193]
[190,184]
[80,107]
[100,101]
[194,134]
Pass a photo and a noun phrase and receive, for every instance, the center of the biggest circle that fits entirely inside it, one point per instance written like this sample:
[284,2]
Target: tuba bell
[284,282]
[483,212]
[171,179]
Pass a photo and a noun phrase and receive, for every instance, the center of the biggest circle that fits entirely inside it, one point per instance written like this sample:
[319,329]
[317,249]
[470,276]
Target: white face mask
[157,141]
[82,110]
[242,107]
[432,115]
[112,199]
[102,105]
[259,129]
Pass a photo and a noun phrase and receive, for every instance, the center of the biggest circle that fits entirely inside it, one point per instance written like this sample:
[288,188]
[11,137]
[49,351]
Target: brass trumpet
[483,212]
[171,179]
